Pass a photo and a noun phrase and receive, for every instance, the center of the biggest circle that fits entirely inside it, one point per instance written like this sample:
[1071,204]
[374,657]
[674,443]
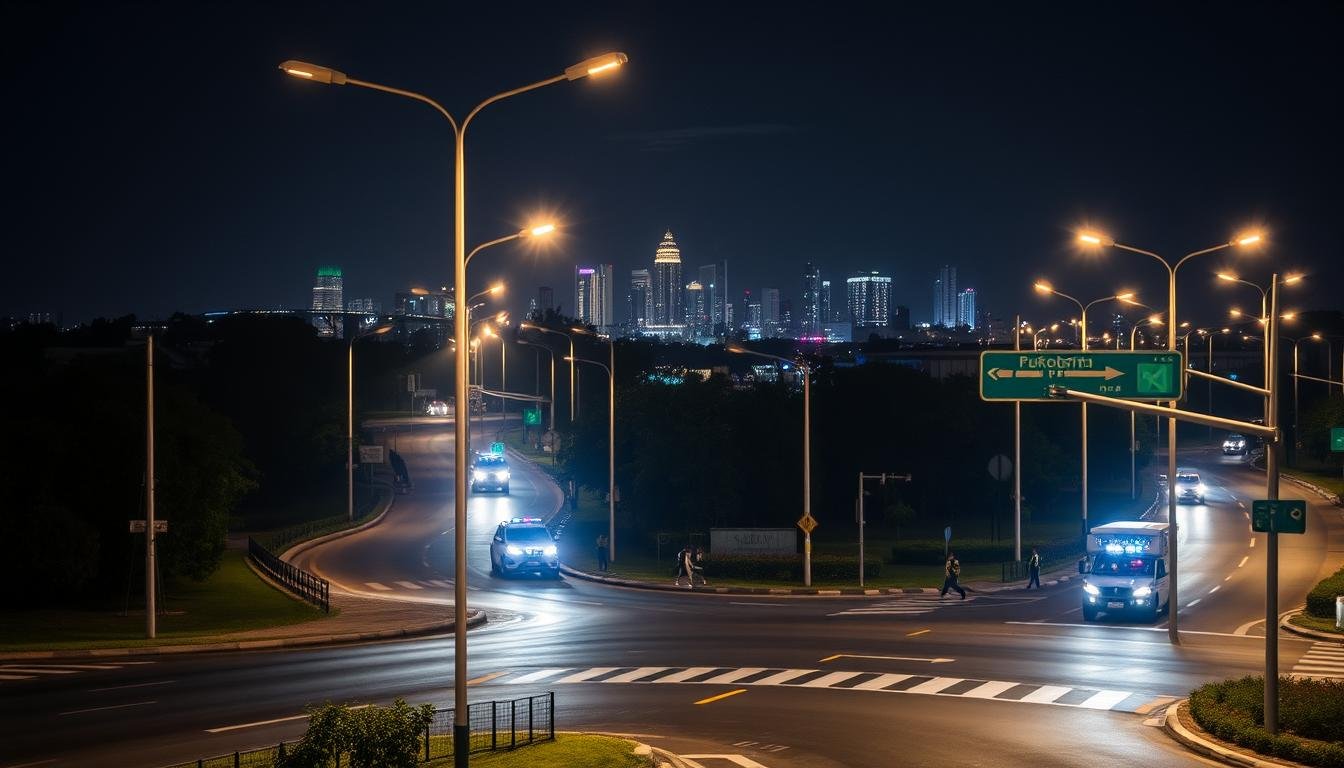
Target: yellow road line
[831,658]
[486,678]
[920,632]
[713,699]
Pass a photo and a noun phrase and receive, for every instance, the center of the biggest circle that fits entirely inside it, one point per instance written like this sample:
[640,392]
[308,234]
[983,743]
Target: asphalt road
[1007,678]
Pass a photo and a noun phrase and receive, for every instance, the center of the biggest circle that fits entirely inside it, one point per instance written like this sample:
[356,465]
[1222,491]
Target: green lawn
[1316,623]
[569,750]
[233,599]
[1331,482]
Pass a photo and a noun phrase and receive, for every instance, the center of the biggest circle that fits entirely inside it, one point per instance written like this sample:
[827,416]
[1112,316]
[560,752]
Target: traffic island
[1223,721]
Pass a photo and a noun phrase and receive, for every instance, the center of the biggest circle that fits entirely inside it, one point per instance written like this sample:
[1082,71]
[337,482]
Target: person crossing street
[951,571]
[1034,569]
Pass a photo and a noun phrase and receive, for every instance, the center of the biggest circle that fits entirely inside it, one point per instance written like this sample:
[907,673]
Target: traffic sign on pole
[1027,376]
[532,417]
[497,448]
[1337,438]
[808,523]
[1279,516]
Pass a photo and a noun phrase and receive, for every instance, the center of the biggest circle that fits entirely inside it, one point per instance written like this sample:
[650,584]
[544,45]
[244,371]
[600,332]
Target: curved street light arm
[489,243]
[507,94]
[408,94]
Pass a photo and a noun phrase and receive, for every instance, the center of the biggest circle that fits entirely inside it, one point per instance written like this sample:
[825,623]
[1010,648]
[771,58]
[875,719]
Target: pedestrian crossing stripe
[909,606]
[885,682]
[1325,660]
[21,671]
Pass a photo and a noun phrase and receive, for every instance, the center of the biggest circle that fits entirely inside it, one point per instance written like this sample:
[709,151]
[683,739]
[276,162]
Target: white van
[1126,570]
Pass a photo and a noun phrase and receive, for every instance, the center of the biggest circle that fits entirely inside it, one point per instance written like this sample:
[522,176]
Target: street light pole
[1017,461]
[534,327]
[1133,447]
[151,608]
[1271,703]
[550,352]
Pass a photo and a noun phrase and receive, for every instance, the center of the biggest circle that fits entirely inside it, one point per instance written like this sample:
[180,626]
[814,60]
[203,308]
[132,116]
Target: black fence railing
[495,725]
[314,589]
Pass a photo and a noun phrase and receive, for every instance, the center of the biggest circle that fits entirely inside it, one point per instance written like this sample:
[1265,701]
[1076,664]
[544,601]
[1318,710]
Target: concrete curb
[1315,634]
[476,619]
[704,590]
[1319,491]
[1197,743]
[304,546]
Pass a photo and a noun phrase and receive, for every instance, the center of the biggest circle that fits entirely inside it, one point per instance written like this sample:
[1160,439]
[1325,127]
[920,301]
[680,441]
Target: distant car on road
[490,472]
[524,545]
[436,408]
[1189,487]
[1234,444]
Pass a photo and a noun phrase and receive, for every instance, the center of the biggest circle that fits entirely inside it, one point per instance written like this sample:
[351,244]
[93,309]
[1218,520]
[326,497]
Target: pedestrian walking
[685,566]
[602,552]
[698,566]
[951,571]
[1034,569]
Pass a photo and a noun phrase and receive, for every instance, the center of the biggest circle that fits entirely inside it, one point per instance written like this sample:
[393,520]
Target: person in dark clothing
[602,552]
[399,468]
[1034,569]
[951,571]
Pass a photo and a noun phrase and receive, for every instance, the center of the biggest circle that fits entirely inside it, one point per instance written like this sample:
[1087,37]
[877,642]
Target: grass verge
[1308,621]
[1333,482]
[569,750]
[1311,714]
[233,599]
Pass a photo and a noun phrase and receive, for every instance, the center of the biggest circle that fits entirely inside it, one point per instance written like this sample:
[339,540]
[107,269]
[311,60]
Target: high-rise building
[945,297]
[709,282]
[367,306]
[328,296]
[753,315]
[592,296]
[640,309]
[824,303]
[966,309]
[746,308]
[869,300]
[545,298]
[770,312]
[697,311]
[811,309]
[667,286]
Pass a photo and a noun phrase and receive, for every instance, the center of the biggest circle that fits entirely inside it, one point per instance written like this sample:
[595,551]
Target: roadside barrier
[305,585]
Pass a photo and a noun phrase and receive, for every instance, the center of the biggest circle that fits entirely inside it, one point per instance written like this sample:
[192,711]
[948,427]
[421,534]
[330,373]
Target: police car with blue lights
[1126,570]
[524,545]
[490,472]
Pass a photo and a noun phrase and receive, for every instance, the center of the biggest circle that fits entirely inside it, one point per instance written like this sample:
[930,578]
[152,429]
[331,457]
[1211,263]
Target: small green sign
[1279,516]
[497,448]
[1337,438]
[1027,375]
[532,417]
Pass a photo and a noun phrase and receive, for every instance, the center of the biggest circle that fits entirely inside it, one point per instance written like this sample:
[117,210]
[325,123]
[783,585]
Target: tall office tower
[709,282]
[769,311]
[746,308]
[869,300]
[592,296]
[811,309]
[966,309]
[328,296]
[945,297]
[900,318]
[641,298]
[667,286]
[727,318]
[824,303]
[697,310]
[786,315]
[753,315]
[545,298]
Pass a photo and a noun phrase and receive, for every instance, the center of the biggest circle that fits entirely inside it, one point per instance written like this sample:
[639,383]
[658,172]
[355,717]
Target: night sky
[157,160]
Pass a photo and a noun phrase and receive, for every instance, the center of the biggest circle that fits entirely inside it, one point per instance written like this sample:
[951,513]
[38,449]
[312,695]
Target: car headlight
[1090,589]
[515,551]
[478,475]
[549,550]
[500,476]
[1143,591]
[1200,489]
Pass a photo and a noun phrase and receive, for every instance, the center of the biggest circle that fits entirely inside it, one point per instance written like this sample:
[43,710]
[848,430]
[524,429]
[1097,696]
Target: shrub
[1321,598]
[788,567]
[1311,714]
[371,737]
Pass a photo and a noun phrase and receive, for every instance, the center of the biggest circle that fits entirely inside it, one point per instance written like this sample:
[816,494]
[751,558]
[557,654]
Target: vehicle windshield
[490,462]
[529,536]
[1122,565]
[1234,439]
[1188,479]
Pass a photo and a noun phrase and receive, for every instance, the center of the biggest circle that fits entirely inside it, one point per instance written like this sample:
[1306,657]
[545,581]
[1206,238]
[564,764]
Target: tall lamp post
[611,455]
[1099,240]
[550,352]
[1296,341]
[1036,337]
[807,448]
[543,329]
[1126,297]
[1133,448]
[593,66]
[350,416]
[611,491]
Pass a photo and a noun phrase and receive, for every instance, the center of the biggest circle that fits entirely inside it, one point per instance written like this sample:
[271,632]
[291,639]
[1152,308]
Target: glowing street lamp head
[496,289]
[1290,279]
[1054,327]
[1289,316]
[1228,276]
[598,65]
[1154,319]
[1127,297]
[1096,239]
[1044,287]
[1250,238]
[1316,336]
[417,291]
[315,72]
[538,231]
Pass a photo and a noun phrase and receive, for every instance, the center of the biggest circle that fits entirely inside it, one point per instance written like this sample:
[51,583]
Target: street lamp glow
[596,65]
[1229,277]
[419,291]
[1290,279]
[1154,319]
[539,231]
[1094,238]
[1250,239]
[315,72]
[1044,287]
[496,289]
[1289,316]
[1316,336]
[1127,297]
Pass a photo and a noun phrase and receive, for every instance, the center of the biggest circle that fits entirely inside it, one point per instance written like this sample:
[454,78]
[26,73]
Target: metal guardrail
[314,589]
[495,726]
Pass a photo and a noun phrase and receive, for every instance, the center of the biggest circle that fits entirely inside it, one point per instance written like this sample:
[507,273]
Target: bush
[788,567]
[973,551]
[370,737]
[1321,598]
[1311,714]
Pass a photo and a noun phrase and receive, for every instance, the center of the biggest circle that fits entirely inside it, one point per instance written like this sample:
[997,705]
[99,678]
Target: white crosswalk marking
[407,585]
[38,670]
[905,606]
[440,583]
[1324,660]
[377,586]
[540,674]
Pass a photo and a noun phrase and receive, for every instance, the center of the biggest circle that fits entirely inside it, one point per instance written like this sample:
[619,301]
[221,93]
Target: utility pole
[1272,492]
[151,628]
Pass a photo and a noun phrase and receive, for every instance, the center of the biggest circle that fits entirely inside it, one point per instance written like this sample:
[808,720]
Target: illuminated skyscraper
[811,314]
[328,296]
[966,308]
[945,297]
[641,298]
[869,300]
[667,286]
[592,296]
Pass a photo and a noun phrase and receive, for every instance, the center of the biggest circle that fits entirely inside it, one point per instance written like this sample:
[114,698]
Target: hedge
[971,551]
[788,567]
[1321,599]
[1311,718]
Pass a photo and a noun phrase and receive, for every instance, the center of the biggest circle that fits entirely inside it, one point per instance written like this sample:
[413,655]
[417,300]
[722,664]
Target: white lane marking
[989,690]
[1104,699]
[408,584]
[540,674]
[133,685]
[1227,577]
[1246,515]
[630,677]
[377,586]
[77,666]
[1252,542]
[1154,630]
[881,681]
[685,674]
[1215,589]
[826,681]
[1243,561]
[935,685]
[1046,694]
[1193,603]
[1239,504]
[587,674]
[226,728]
[114,706]
[440,583]
[31,765]
[739,760]
[734,675]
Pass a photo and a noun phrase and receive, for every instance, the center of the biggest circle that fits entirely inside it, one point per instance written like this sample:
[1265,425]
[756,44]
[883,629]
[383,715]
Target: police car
[490,472]
[524,545]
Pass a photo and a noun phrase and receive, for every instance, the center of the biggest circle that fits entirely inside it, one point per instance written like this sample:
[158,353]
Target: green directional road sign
[1337,438]
[532,417]
[1279,516]
[1129,375]
[497,448]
